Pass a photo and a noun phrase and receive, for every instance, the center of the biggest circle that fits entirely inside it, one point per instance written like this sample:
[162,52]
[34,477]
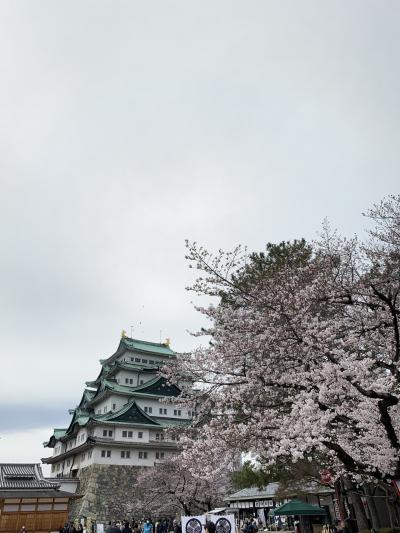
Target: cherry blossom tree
[169,489]
[304,360]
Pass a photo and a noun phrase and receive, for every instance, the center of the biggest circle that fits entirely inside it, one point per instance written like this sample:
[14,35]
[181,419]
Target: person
[147,527]
[126,528]
[209,527]
[23,529]
[249,527]
[115,529]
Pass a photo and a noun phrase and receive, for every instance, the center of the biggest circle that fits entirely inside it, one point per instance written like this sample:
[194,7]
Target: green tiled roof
[127,365]
[130,413]
[136,345]
[59,432]
[145,346]
[110,370]
[157,386]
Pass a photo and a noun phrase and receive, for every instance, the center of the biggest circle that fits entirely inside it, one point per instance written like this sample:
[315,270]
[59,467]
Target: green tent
[299,508]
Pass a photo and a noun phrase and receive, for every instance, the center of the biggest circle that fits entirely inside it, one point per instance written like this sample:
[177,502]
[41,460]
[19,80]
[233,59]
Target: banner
[223,523]
[195,524]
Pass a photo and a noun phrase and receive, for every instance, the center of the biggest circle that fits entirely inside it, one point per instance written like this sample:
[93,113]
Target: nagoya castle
[119,425]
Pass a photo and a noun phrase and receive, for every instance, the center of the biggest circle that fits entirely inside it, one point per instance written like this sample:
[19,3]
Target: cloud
[128,127]
[29,416]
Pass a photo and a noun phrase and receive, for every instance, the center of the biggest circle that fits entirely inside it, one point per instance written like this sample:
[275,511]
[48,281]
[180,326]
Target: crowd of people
[251,525]
[160,526]
[147,526]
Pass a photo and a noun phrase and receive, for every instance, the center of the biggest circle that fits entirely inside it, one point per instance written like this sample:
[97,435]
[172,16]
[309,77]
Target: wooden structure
[28,499]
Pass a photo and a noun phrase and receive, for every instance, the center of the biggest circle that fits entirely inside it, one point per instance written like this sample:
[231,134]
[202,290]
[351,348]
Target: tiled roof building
[28,499]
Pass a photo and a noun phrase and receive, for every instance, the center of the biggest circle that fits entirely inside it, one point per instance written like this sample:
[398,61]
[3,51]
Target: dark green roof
[138,346]
[297,507]
[57,434]
[130,413]
[111,369]
[86,397]
[145,346]
[158,387]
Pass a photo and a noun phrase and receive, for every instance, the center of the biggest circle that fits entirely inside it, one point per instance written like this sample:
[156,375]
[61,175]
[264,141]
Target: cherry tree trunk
[359,509]
[375,522]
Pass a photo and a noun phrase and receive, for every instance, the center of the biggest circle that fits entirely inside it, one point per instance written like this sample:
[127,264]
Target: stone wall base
[108,493]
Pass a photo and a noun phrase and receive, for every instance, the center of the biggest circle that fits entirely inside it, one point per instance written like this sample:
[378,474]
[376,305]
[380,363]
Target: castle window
[151,362]
[126,381]
[142,455]
[124,433]
[144,361]
[104,433]
[140,434]
[125,454]
[165,411]
[114,405]
[159,455]
[141,382]
[130,434]
[105,409]
[148,409]
[131,359]
[131,381]
[161,410]
[106,453]
[177,412]
[137,360]
[110,433]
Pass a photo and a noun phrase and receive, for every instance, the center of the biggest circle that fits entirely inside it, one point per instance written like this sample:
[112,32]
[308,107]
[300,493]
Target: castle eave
[152,445]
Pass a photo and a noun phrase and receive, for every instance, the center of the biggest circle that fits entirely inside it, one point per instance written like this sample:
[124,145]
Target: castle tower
[118,426]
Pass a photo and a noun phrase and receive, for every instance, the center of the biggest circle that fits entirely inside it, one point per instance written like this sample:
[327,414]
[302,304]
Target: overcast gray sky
[126,127]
